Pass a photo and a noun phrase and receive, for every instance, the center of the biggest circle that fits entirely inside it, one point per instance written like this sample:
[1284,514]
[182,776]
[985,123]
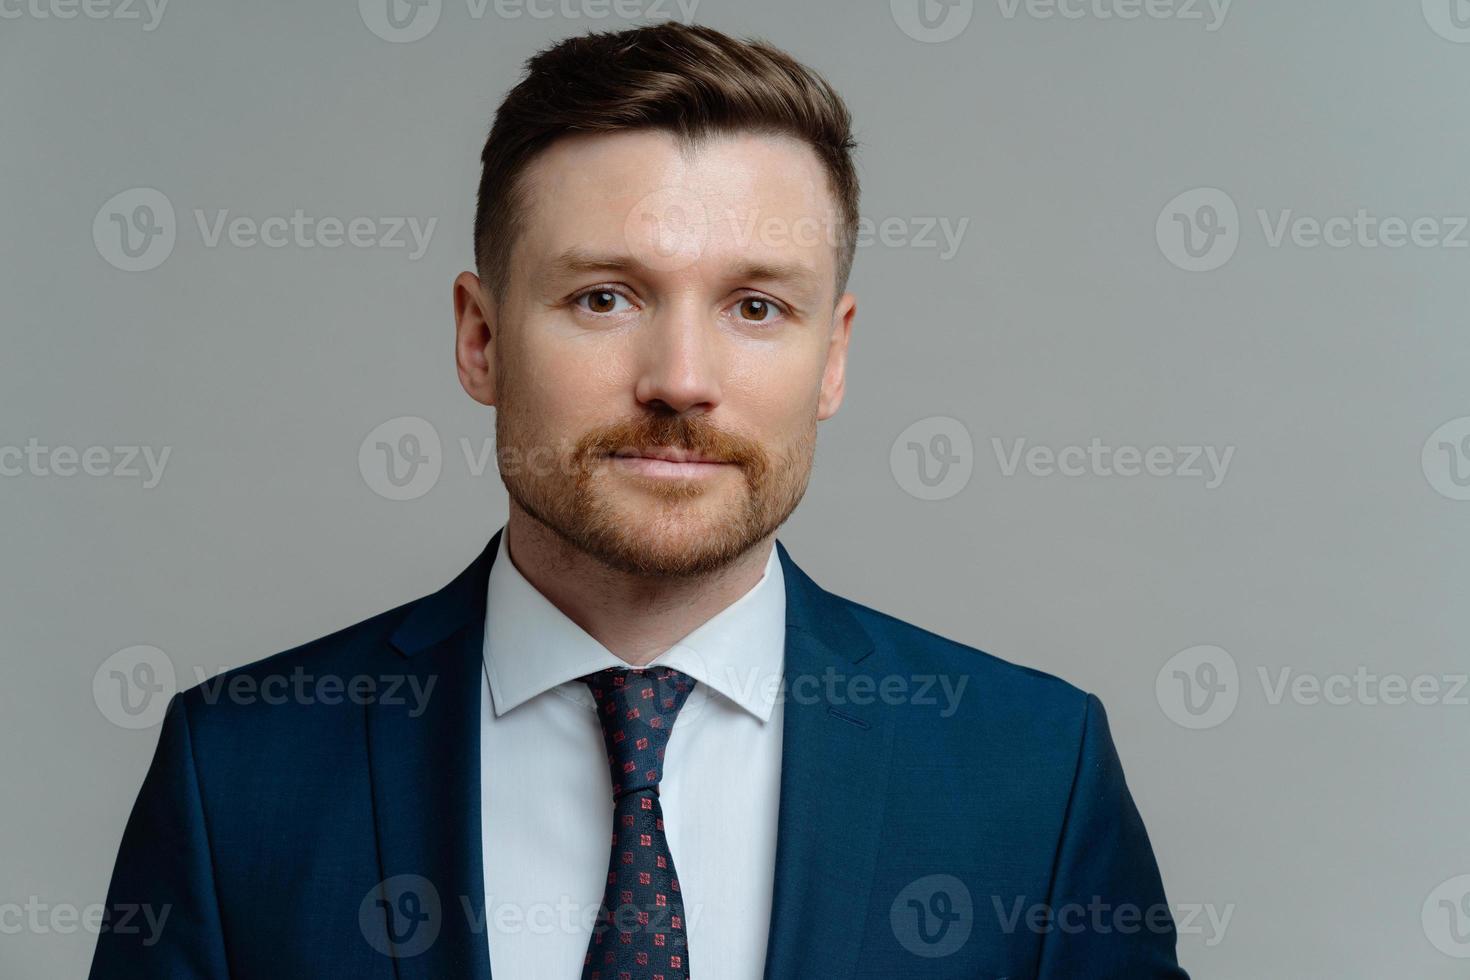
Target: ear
[474,338]
[834,375]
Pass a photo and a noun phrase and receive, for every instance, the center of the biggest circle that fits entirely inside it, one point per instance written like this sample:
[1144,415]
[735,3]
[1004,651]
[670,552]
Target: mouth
[669,454]
[668,463]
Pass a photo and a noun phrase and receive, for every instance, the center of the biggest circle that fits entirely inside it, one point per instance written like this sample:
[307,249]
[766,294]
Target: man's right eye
[601,301]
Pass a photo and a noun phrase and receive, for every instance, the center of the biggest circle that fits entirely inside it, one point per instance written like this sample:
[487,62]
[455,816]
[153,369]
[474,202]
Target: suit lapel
[426,785]
[834,754]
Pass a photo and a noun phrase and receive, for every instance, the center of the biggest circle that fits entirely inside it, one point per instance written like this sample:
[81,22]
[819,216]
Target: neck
[637,617]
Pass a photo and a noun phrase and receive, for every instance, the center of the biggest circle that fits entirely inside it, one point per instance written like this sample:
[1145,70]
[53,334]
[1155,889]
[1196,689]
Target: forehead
[729,199]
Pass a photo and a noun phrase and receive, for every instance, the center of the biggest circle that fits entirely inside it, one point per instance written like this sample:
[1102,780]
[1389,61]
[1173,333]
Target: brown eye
[602,301]
[754,309]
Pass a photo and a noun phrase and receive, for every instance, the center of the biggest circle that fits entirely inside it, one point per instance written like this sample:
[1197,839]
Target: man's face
[674,304]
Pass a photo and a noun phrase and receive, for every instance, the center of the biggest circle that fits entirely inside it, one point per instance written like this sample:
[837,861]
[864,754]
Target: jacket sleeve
[162,919]
[1109,916]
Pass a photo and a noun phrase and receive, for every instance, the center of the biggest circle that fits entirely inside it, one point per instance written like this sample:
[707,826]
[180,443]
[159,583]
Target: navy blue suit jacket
[337,835]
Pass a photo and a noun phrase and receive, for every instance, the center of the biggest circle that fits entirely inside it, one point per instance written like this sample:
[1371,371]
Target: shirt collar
[531,646]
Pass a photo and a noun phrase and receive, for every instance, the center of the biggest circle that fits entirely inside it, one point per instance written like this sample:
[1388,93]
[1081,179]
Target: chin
[681,538]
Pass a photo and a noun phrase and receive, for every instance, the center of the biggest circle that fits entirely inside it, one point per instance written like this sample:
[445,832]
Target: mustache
[691,433]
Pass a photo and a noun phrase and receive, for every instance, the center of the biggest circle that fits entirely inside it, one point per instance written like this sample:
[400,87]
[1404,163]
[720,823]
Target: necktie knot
[637,709]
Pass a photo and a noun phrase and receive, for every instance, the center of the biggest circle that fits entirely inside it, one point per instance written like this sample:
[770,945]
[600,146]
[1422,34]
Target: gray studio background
[1300,834]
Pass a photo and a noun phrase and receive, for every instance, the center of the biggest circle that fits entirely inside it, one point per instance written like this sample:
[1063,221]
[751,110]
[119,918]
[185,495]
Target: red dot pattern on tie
[639,933]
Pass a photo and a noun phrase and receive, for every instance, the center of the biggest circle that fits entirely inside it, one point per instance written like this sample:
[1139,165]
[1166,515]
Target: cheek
[779,392]
[776,411]
[570,385]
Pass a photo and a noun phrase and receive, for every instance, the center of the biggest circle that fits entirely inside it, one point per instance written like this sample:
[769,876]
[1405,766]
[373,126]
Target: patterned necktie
[639,933]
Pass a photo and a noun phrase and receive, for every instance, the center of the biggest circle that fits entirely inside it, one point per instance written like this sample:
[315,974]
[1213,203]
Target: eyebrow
[577,260]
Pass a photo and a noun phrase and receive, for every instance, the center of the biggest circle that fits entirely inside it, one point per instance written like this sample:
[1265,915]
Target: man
[633,739]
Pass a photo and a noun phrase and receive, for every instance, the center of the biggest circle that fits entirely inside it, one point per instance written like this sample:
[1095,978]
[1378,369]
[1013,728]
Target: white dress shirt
[546,794]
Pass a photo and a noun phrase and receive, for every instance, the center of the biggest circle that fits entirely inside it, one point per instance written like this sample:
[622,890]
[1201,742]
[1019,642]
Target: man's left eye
[753,309]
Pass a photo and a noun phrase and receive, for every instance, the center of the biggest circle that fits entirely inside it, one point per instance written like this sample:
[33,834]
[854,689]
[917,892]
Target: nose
[679,360]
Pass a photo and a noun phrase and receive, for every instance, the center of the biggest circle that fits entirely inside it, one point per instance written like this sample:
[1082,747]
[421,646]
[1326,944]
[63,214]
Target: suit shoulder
[350,650]
[915,648]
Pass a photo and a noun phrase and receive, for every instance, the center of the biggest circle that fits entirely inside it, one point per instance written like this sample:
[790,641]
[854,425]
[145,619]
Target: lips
[670,454]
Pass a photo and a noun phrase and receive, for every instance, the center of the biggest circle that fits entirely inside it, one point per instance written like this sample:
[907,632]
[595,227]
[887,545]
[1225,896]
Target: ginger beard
[656,527]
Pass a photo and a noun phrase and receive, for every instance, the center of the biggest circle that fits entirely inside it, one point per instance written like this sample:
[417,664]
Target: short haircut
[688,80]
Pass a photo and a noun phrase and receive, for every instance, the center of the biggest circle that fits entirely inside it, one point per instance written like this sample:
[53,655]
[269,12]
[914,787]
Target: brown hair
[689,80]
